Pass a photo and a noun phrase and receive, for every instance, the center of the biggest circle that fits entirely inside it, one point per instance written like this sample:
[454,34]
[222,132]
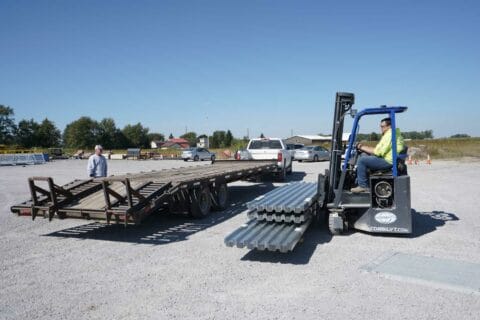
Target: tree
[48,134]
[170,136]
[7,125]
[27,133]
[262,136]
[137,135]
[374,136]
[460,135]
[82,133]
[108,134]
[154,136]
[217,140]
[191,137]
[228,139]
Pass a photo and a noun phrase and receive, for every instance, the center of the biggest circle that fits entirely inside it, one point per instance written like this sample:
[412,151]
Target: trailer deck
[130,198]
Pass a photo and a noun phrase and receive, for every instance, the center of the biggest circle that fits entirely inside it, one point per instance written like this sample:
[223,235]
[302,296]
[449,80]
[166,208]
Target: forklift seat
[401,165]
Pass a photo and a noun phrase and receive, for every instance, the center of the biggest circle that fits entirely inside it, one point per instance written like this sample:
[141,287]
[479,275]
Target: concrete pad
[442,273]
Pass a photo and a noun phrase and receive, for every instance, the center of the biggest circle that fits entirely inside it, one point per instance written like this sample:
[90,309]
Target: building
[176,143]
[310,140]
[156,144]
[203,142]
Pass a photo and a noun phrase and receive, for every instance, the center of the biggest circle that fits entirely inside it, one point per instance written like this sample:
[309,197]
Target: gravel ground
[173,267]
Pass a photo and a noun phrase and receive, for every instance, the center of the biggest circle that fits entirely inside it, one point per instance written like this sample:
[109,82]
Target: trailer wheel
[220,197]
[200,202]
[336,223]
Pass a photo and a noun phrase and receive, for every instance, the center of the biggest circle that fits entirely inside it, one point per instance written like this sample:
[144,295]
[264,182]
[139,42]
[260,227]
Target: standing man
[379,158]
[97,164]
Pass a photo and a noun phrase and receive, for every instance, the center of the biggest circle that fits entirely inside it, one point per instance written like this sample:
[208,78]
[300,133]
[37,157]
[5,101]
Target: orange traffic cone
[429,161]
[409,162]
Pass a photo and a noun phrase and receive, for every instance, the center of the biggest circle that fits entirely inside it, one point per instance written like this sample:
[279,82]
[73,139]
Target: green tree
[228,138]
[48,134]
[217,140]
[108,134]
[155,136]
[460,135]
[170,136]
[191,137]
[262,135]
[81,133]
[137,135]
[27,133]
[7,125]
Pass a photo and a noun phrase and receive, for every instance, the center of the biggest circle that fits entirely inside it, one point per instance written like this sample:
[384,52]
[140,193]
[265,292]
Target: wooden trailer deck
[130,198]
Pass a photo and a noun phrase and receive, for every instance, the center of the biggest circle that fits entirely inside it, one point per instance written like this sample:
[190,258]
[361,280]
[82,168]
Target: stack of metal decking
[278,219]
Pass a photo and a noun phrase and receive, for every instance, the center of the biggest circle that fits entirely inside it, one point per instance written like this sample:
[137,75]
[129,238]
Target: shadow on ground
[165,228]
[426,222]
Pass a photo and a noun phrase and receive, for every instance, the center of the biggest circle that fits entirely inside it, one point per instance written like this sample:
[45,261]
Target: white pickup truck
[272,149]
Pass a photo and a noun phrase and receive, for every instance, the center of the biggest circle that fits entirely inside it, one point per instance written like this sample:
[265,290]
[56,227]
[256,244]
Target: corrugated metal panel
[278,217]
[294,197]
[270,236]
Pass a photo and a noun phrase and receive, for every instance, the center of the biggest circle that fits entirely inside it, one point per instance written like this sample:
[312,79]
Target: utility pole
[291,132]
[248,133]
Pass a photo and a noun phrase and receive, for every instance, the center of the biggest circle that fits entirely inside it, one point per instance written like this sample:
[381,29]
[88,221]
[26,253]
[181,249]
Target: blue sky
[271,67]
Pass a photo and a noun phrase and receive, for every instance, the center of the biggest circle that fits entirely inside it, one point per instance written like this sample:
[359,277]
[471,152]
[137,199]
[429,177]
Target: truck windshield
[265,144]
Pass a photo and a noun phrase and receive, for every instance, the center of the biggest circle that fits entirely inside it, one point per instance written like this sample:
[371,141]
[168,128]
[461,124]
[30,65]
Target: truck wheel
[282,175]
[200,202]
[220,197]
[290,169]
[195,158]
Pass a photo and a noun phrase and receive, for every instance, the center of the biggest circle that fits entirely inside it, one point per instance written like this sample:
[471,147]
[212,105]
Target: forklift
[386,208]
[278,219]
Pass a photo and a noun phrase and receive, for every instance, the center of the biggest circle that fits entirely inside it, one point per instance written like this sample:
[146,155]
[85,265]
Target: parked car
[292,147]
[272,149]
[313,153]
[197,154]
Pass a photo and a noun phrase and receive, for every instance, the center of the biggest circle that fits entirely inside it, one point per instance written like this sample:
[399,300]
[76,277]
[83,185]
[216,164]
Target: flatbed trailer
[130,198]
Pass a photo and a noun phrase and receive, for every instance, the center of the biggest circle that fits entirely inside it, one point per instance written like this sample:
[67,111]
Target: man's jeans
[369,162]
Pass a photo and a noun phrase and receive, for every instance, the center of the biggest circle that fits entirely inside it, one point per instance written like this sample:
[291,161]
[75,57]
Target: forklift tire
[201,203]
[336,223]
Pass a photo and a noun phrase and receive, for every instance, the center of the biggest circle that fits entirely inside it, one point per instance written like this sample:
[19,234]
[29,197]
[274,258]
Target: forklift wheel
[336,223]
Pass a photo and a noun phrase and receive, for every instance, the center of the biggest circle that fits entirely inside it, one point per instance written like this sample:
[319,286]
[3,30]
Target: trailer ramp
[278,219]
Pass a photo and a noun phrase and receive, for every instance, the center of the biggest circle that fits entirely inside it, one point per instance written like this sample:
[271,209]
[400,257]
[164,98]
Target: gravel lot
[173,267]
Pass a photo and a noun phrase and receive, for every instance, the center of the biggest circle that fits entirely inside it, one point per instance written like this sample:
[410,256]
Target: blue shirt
[97,166]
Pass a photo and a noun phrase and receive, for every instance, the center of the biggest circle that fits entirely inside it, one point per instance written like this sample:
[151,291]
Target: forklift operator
[378,158]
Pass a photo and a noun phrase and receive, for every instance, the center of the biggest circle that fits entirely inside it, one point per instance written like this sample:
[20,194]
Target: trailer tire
[201,203]
[220,197]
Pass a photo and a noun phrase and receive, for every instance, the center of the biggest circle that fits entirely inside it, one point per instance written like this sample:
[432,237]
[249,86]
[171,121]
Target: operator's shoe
[359,189]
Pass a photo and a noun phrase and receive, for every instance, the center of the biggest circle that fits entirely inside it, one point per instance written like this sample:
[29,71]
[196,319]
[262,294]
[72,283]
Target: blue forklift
[386,208]
[278,219]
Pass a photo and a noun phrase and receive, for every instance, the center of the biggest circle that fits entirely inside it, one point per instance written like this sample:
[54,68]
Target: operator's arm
[365,149]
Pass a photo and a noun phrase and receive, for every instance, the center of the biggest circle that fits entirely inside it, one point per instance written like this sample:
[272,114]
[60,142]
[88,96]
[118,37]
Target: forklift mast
[343,104]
